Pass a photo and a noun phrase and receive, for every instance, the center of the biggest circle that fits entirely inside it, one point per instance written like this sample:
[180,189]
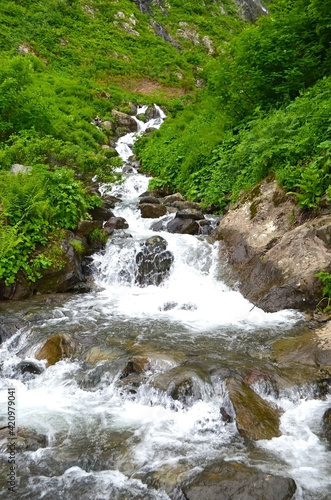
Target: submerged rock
[235,481]
[327,424]
[58,347]
[153,262]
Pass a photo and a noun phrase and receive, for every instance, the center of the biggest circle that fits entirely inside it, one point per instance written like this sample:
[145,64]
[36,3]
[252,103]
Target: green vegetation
[34,205]
[266,109]
[324,303]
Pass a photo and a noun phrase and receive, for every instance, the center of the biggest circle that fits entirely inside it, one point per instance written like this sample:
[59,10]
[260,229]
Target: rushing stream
[118,435]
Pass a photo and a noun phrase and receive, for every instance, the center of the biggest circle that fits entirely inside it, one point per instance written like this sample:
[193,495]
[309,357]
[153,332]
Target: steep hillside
[64,62]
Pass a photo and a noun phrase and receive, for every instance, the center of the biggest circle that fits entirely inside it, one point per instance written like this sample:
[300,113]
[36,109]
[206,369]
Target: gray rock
[115,223]
[152,210]
[190,213]
[235,481]
[19,169]
[149,199]
[125,121]
[183,226]
[153,262]
[168,200]
[160,31]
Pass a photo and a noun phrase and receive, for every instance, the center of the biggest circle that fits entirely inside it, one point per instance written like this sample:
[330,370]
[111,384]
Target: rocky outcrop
[274,251]
[160,31]
[153,262]
[231,480]
[252,9]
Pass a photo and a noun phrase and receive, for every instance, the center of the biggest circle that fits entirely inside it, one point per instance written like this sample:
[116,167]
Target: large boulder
[55,348]
[153,262]
[152,210]
[124,121]
[274,250]
[183,226]
[236,481]
[115,223]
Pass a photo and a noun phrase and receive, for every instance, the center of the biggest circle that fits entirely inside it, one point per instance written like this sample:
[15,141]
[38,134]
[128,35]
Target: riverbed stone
[236,481]
[57,347]
[190,213]
[255,417]
[115,223]
[183,226]
[26,440]
[168,200]
[149,199]
[153,262]
[152,210]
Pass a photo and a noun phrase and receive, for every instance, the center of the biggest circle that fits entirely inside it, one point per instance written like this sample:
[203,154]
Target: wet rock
[109,201]
[152,211]
[182,383]
[327,424]
[251,9]
[31,367]
[66,275]
[85,227]
[27,439]
[183,226]
[205,227]
[256,418]
[58,347]
[235,481]
[149,199]
[115,223]
[153,262]
[137,364]
[101,213]
[190,213]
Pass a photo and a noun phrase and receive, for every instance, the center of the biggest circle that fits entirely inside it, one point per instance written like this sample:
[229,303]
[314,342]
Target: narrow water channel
[117,435]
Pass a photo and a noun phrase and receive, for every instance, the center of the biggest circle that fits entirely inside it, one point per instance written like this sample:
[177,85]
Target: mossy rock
[256,418]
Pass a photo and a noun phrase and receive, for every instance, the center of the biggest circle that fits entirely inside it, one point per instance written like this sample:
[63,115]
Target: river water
[113,436]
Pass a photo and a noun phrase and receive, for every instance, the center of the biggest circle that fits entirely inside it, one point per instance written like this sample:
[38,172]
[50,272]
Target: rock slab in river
[234,481]
[256,418]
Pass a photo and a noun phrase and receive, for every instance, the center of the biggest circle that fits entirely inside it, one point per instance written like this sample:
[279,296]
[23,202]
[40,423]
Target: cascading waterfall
[142,395]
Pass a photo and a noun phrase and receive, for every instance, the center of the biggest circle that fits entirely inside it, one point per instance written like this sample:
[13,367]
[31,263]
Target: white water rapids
[115,437]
